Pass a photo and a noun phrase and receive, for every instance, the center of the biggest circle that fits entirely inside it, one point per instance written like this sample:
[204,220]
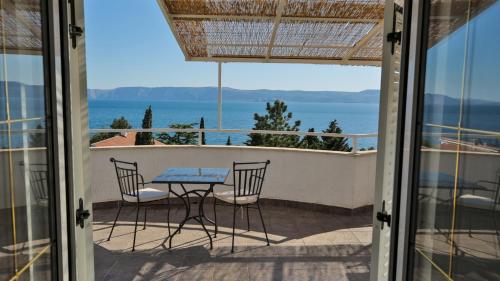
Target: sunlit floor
[305,245]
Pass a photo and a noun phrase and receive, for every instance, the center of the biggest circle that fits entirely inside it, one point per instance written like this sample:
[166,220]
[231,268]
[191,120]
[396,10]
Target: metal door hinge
[395,36]
[81,214]
[74,32]
[384,217]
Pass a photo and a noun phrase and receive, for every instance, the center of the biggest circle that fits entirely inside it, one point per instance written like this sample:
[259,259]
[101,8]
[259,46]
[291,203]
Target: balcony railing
[352,137]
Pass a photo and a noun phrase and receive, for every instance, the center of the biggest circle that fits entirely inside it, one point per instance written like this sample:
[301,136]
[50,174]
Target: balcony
[305,245]
[319,220]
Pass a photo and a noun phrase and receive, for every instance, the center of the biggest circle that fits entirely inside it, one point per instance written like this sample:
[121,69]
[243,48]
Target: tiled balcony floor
[305,245]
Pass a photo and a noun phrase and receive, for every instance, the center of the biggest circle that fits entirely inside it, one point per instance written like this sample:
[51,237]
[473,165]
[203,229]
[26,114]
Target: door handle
[81,214]
[384,217]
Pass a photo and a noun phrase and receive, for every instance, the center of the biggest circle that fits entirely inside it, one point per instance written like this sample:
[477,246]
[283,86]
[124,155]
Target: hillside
[230,94]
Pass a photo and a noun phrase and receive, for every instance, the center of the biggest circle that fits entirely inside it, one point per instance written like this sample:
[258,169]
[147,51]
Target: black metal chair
[38,180]
[132,189]
[485,196]
[248,179]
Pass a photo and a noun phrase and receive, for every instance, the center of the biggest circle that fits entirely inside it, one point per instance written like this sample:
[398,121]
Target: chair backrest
[127,176]
[497,191]
[38,178]
[248,177]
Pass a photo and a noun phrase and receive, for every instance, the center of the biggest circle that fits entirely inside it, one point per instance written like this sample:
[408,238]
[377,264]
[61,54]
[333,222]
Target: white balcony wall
[329,178]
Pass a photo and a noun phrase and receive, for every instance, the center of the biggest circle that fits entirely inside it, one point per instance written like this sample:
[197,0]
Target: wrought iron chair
[248,179]
[485,196]
[133,190]
[38,179]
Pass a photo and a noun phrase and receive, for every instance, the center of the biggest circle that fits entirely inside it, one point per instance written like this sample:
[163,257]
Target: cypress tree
[146,138]
[202,126]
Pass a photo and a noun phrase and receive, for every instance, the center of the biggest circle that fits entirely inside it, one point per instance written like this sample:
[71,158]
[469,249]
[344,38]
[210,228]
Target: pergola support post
[219,96]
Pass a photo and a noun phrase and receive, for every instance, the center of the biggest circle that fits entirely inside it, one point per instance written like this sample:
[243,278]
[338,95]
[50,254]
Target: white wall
[330,178]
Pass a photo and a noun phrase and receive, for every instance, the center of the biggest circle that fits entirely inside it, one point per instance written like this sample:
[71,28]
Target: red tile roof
[127,139]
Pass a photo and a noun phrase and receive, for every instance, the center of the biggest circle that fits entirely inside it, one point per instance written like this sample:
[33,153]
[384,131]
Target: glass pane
[25,204]
[457,235]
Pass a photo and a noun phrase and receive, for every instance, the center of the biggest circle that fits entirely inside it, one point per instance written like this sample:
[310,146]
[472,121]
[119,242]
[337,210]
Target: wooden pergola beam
[376,29]
[270,18]
[277,21]
[340,61]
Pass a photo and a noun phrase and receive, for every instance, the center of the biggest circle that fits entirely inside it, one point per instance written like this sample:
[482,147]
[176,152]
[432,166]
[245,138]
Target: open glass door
[387,151]
[33,243]
[454,185]
[42,145]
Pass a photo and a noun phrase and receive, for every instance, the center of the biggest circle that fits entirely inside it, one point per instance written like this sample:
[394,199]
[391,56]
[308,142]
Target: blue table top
[193,176]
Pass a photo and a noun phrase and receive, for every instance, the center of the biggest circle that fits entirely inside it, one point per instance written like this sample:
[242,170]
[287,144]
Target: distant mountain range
[262,95]
[230,94]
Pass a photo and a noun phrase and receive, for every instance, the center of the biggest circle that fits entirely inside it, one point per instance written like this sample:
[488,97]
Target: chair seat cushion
[475,201]
[228,197]
[147,195]
[42,202]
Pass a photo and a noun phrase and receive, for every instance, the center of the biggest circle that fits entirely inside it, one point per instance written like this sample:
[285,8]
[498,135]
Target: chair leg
[135,228]
[234,225]
[168,216]
[114,223]
[263,225]
[470,224]
[215,218]
[248,219]
[145,215]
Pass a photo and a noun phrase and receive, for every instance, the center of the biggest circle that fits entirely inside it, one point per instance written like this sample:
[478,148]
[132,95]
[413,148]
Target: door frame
[65,76]
[56,138]
[410,138]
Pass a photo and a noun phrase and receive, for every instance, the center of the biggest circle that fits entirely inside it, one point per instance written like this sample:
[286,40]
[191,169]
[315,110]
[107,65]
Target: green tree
[310,142]
[118,123]
[276,119]
[202,126]
[146,138]
[179,137]
[334,143]
[228,141]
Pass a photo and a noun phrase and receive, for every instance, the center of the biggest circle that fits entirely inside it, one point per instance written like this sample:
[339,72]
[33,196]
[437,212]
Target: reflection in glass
[25,201]
[457,234]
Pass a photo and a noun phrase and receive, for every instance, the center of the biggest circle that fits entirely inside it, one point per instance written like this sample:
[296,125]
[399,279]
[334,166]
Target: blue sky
[445,61]
[129,43]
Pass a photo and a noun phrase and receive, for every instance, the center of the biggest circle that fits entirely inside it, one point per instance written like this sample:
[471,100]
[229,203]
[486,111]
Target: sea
[353,118]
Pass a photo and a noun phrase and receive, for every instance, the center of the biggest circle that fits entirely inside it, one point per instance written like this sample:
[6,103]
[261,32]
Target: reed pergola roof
[303,31]
[20,27]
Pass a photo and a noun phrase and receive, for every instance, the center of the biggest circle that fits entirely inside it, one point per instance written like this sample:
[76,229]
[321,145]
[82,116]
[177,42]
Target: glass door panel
[26,202]
[456,219]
